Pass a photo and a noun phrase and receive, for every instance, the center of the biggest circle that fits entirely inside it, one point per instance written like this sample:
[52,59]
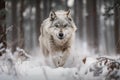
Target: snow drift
[21,66]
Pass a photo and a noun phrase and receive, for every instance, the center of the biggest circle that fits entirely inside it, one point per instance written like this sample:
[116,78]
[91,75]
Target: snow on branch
[105,68]
[3,44]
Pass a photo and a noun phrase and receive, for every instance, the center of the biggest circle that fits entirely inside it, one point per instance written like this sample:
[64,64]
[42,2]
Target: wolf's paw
[58,61]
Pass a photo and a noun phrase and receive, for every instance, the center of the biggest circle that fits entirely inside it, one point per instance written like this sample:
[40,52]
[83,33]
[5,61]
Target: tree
[20,27]
[66,5]
[117,25]
[92,30]
[78,12]
[95,26]
[47,7]
[38,18]
[3,44]
[14,23]
[90,22]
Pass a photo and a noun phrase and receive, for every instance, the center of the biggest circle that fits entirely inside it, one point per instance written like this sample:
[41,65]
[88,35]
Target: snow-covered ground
[21,66]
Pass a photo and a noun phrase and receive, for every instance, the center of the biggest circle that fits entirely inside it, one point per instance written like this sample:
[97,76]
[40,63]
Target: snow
[2,49]
[21,66]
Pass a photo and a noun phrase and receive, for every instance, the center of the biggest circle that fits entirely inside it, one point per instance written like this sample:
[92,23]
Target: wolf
[57,36]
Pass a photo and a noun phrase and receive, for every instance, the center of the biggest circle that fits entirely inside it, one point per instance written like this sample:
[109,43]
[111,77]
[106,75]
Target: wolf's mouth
[61,38]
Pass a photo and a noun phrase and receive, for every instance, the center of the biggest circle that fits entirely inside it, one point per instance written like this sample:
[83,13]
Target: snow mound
[21,66]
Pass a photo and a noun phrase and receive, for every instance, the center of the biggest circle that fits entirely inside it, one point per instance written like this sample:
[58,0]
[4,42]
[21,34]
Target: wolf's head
[62,26]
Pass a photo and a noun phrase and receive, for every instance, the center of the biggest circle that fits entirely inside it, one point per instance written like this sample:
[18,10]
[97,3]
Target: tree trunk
[2,28]
[30,43]
[66,5]
[117,28]
[100,26]
[14,23]
[92,30]
[90,22]
[95,26]
[78,5]
[47,8]
[20,27]
[38,18]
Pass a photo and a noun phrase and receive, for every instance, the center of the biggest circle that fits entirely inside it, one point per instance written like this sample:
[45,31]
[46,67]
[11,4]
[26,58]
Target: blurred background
[98,23]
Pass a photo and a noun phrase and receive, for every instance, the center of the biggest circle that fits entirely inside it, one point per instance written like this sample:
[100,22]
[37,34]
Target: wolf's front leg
[65,56]
[60,60]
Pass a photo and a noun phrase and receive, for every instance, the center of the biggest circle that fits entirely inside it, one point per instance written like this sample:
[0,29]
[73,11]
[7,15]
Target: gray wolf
[57,35]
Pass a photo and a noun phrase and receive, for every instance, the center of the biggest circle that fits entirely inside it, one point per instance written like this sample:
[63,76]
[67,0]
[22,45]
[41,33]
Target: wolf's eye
[65,25]
[70,19]
[56,25]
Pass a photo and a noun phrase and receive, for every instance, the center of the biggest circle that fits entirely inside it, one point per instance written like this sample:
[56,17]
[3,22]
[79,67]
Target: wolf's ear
[52,15]
[69,15]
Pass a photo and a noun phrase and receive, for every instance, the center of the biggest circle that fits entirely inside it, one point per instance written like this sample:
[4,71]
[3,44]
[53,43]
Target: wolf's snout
[61,35]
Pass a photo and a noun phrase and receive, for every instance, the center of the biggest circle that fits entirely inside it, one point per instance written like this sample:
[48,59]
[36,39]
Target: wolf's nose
[61,34]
